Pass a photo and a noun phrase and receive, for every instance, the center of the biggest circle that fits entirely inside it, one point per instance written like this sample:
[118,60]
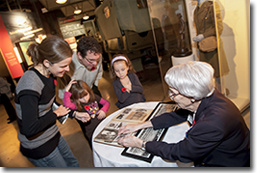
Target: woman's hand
[61,111]
[130,141]
[101,114]
[129,128]
[82,116]
[72,81]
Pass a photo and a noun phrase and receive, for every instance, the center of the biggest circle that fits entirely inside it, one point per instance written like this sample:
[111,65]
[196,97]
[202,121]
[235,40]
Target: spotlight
[86,17]
[77,10]
[61,1]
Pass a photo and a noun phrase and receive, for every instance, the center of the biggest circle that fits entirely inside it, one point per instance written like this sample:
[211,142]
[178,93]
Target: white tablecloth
[110,156]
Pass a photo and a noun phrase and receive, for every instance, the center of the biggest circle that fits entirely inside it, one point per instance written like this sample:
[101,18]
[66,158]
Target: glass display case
[181,22]
[175,46]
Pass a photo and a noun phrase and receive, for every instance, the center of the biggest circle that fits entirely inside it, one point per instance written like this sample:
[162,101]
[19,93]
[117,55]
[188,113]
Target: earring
[48,71]
[192,100]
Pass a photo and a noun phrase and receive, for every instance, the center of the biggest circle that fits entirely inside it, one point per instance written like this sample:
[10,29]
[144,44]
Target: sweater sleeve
[105,104]
[32,124]
[136,84]
[198,143]
[67,102]
[167,120]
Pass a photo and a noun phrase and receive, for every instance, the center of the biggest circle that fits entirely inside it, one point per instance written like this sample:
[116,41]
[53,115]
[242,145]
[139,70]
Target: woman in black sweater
[40,139]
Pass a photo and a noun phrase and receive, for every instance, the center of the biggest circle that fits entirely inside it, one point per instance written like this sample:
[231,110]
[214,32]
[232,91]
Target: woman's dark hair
[88,43]
[79,90]
[52,48]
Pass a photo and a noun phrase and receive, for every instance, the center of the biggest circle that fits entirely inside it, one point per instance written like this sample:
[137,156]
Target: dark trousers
[96,90]
[8,106]
[88,128]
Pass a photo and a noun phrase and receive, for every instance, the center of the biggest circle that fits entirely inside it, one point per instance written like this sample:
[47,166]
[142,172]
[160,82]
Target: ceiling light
[86,17]
[61,1]
[77,10]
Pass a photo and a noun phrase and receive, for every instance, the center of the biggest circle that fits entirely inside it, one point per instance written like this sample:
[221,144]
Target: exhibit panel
[17,28]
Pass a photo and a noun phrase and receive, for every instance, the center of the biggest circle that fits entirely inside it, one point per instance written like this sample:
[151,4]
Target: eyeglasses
[91,61]
[93,58]
[172,94]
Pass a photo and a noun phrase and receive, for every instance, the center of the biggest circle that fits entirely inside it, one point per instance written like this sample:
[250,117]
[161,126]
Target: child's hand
[67,88]
[101,114]
[82,116]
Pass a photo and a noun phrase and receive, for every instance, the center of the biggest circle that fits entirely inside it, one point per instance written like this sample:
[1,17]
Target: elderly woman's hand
[130,141]
[129,128]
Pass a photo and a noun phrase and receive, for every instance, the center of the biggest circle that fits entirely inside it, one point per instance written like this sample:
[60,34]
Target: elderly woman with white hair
[218,135]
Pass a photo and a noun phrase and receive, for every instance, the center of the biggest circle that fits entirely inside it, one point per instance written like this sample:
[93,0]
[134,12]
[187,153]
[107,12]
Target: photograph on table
[149,134]
[108,135]
[136,115]
[163,108]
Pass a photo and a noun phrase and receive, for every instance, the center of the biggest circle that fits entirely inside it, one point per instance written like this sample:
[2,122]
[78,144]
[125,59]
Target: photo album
[109,134]
[127,116]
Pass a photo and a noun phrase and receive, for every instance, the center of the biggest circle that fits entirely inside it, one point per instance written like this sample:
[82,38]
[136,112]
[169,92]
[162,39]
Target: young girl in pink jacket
[78,96]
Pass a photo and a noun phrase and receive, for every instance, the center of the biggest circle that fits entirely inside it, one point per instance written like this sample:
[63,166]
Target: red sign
[70,40]
[7,51]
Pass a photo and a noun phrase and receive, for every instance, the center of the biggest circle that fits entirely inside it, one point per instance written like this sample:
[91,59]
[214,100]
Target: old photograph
[109,134]
[149,134]
[133,115]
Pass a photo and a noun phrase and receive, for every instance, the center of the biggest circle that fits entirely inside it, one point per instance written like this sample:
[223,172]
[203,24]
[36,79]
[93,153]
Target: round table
[110,156]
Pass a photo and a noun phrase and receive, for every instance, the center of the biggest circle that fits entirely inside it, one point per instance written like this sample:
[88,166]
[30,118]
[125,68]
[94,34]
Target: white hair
[192,79]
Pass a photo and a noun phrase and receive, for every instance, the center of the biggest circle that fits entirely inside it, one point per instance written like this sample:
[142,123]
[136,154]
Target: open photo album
[109,134]
[149,134]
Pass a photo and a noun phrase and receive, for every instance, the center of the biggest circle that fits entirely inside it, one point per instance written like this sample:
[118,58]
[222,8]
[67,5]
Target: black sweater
[34,97]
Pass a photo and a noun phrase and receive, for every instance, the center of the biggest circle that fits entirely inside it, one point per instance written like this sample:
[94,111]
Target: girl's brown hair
[79,90]
[128,63]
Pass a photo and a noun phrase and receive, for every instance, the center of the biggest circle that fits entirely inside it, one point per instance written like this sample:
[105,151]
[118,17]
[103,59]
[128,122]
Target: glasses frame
[92,61]
[172,94]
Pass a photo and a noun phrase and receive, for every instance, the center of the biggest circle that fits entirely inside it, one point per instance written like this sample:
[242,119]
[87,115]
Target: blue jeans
[62,156]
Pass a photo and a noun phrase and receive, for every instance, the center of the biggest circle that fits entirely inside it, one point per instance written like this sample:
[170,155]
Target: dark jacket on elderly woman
[219,136]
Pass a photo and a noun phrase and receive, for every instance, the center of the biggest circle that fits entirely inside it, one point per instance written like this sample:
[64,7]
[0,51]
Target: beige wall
[236,39]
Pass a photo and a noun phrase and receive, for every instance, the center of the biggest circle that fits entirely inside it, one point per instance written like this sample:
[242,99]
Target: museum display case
[232,27]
